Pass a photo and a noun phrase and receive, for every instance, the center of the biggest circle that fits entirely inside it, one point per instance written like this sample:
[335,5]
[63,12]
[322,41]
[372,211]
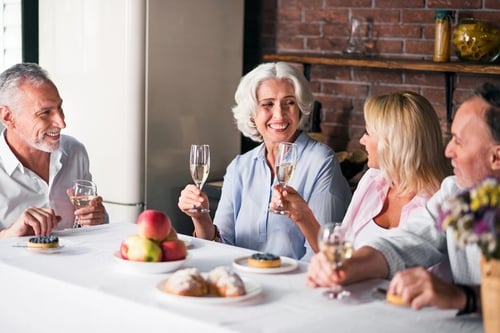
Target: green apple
[138,248]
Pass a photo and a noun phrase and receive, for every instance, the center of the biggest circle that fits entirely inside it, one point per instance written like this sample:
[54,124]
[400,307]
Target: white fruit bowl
[149,267]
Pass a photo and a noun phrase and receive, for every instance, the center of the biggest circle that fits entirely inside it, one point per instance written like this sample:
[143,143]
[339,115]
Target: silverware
[19,245]
[380,290]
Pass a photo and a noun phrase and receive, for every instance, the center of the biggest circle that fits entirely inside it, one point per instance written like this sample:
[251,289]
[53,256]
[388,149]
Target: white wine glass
[199,166]
[82,192]
[285,167]
[336,246]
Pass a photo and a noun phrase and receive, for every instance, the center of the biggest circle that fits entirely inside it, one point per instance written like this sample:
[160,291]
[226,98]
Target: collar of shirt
[369,198]
[11,162]
[300,141]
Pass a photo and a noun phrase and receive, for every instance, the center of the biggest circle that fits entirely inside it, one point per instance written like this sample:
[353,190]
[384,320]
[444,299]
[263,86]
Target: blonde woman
[406,166]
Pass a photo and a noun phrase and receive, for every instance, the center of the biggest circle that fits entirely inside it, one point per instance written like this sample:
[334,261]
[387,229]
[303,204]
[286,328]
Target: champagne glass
[82,192]
[337,248]
[285,166]
[199,165]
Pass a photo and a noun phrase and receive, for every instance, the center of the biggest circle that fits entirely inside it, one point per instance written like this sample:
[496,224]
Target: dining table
[83,286]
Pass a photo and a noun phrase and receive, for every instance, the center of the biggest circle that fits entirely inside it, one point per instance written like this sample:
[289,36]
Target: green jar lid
[442,14]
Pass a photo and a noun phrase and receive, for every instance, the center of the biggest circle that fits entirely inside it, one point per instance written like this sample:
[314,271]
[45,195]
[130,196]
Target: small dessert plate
[49,250]
[287,265]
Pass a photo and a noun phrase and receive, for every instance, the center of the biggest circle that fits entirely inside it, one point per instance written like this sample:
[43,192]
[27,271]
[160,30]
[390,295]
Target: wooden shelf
[448,68]
[416,65]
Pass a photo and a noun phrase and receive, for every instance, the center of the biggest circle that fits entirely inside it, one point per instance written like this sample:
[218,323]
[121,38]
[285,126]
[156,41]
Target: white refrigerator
[141,80]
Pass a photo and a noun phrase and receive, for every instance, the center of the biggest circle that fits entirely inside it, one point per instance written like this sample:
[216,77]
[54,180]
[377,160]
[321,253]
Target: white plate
[149,267]
[187,240]
[70,231]
[287,265]
[49,250]
[252,289]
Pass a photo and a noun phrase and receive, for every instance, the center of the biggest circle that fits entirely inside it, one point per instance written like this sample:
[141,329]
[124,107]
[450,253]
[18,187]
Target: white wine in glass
[199,166]
[337,248]
[285,167]
[81,194]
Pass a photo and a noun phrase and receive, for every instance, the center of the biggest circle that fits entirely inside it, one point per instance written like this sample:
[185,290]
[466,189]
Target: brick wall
[400,29]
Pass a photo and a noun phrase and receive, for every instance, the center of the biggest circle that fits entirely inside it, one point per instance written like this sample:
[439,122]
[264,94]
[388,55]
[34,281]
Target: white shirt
[21,188]
[367,233]
[420,243]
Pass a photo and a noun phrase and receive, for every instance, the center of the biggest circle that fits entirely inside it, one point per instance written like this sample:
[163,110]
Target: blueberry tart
[264,260]
[43,242]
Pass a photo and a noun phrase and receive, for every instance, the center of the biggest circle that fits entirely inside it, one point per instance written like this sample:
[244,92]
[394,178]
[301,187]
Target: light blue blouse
[243,218]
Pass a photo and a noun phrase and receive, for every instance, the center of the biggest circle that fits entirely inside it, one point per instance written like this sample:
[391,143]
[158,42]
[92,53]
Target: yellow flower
[474,217]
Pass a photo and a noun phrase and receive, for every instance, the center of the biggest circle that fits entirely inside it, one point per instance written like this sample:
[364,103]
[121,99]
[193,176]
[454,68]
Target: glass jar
[477,41]
[442,36]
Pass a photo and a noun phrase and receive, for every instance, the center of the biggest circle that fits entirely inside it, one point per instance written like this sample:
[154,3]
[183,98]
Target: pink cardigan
[368,199]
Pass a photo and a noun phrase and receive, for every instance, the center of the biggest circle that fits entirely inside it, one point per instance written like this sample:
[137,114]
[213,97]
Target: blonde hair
[410,142]
[246,95]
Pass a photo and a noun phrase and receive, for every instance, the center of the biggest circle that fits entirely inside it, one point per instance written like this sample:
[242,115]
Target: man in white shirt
[475,154]
[37,163]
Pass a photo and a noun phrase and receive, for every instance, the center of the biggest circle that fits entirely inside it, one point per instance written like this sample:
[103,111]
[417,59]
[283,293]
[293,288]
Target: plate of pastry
[148,267]
[265,263]
[219,286]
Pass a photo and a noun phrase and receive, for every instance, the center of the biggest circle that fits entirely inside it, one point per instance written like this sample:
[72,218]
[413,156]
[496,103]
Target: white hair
[246,95]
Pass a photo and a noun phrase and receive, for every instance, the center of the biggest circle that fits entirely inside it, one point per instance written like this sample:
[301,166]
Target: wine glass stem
[338,292]
[76,224]
[282,188]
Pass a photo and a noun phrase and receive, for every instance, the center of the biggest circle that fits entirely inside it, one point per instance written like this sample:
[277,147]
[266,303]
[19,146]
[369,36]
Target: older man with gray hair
[37,163]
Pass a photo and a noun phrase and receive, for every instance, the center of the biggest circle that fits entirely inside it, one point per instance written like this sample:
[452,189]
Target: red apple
[172,234]
[173,250]
[138,248]
[153,224]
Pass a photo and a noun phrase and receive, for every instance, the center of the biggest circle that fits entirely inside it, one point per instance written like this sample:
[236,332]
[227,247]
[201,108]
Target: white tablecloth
[83,289]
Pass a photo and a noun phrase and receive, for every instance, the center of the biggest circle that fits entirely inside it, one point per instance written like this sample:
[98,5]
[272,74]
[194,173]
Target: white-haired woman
[272,105]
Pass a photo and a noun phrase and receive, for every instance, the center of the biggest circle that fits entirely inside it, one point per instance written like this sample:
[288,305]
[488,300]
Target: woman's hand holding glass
[336,248]
[199,167]
[192,197]
[285,167]
[291,201]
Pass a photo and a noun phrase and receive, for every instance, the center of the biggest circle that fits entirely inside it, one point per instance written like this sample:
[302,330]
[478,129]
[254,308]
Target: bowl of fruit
[155,248]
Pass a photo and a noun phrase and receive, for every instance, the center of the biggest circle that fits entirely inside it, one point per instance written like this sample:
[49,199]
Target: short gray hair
[11,79]
[490,93]
[246,95]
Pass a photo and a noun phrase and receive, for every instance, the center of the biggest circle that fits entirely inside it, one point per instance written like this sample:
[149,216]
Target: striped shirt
[420,243]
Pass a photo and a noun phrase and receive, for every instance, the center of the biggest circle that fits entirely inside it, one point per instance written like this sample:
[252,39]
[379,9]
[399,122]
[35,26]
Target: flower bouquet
[474,216]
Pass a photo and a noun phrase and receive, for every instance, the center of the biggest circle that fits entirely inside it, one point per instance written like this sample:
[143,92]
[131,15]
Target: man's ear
[495,157]
[6,116]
